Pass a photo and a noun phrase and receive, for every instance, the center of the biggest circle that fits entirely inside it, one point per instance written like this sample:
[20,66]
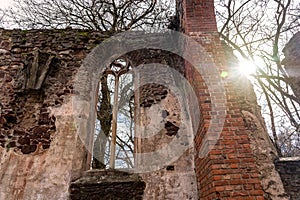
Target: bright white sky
[5,3]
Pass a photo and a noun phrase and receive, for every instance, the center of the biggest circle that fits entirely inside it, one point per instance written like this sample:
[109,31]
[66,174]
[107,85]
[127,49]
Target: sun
[247,68]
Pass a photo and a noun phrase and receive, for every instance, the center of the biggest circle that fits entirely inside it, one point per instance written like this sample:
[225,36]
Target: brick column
[229,171]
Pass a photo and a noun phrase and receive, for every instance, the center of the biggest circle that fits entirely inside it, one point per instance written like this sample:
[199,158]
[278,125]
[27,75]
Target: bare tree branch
[258,30]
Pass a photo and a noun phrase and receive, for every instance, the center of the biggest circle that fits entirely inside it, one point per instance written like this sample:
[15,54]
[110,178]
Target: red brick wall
[199,16]
[229,171]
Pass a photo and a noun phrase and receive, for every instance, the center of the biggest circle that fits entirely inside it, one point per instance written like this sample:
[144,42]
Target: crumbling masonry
[48,86]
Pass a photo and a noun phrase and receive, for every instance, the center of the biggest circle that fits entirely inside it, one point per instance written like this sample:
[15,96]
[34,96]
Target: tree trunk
[104,115]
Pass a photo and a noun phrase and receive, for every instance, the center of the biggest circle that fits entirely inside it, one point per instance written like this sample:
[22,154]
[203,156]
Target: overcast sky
[5,3]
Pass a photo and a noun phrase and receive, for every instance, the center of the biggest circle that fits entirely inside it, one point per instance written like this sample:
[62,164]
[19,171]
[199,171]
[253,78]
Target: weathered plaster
[44,175]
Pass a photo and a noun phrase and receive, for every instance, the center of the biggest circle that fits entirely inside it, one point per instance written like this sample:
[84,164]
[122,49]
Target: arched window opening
[114,128]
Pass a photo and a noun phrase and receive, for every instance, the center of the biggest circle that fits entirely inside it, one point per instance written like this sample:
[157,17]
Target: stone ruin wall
[289,168]
[160,107]
[262,147]
[36,72]
[33,133]
[40,151]
[241,163]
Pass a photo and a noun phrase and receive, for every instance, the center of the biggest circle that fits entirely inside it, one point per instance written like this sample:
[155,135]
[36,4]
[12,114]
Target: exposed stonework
[49,81]
[37,75]
[160,116]
[289,170]
[97,184]
[37,68]
[151,94]
[228,170]
[177,179]
[262,147]
[241,163]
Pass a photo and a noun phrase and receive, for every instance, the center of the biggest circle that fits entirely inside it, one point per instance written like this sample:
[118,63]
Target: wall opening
[114,129]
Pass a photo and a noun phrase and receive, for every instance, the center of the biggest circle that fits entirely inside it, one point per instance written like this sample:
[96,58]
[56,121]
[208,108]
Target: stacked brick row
[229,170]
